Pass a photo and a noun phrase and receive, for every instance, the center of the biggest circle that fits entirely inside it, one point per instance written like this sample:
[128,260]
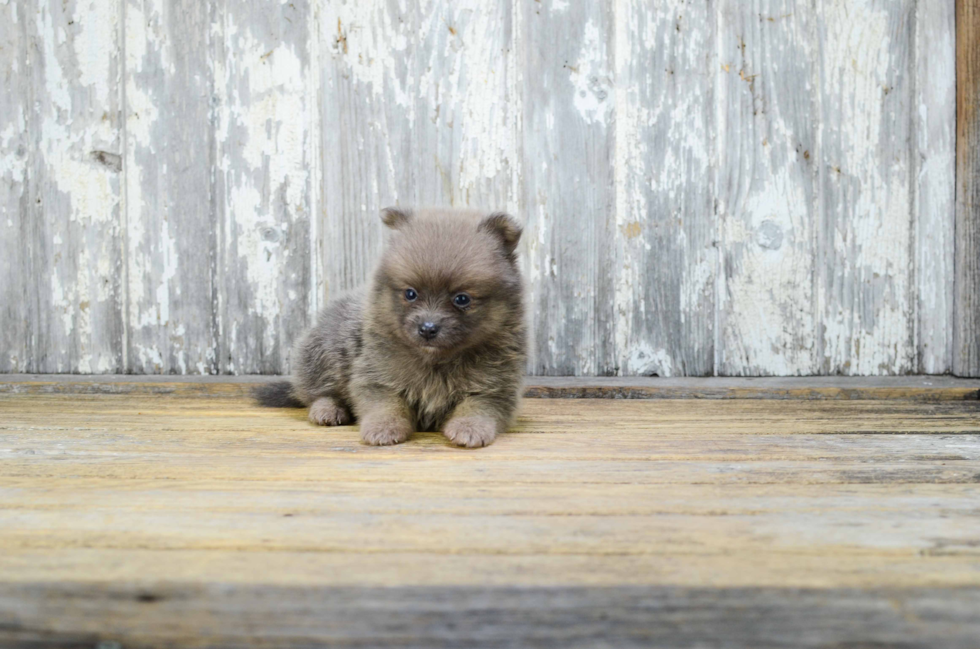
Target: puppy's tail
[277,395]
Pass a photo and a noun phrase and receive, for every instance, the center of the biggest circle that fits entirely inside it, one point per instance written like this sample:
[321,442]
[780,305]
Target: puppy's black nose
[428,330]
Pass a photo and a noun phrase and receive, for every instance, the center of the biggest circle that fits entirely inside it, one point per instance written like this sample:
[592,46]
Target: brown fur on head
[448,280]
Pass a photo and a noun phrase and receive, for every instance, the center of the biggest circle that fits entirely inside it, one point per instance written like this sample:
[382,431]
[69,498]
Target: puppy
[436,341]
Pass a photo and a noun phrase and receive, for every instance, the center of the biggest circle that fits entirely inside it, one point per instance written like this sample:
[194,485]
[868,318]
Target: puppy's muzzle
[428,330]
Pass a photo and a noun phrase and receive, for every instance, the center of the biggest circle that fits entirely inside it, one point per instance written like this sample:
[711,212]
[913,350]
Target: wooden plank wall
[733,188]
[966,333]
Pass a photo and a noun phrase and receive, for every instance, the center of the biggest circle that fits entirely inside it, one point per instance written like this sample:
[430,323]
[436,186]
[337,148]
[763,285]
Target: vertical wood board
[73,226]
[768,202]
[466,107]
[568,196]
[263,181]
[865,287]
[18,306]
[934,156]
[966,322]
[367,59]
[666,228]
[170,172]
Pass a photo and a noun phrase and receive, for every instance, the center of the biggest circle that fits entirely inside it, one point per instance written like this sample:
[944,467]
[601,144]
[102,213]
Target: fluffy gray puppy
[436,341]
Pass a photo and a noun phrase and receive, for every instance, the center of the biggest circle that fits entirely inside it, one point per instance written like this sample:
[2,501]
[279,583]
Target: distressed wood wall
[726,187]
[966,303]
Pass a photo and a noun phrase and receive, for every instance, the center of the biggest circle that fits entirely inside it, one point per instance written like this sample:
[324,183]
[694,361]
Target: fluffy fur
[373,356]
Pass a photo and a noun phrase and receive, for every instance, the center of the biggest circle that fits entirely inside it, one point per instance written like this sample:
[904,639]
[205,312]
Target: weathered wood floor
[190,521]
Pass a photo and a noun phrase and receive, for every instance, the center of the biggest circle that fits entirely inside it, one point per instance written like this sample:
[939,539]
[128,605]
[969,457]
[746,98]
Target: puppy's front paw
[327,412]
[471,432]
[384,430]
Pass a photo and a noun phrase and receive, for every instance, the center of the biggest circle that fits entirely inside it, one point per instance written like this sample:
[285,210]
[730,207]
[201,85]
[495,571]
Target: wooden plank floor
[189,521]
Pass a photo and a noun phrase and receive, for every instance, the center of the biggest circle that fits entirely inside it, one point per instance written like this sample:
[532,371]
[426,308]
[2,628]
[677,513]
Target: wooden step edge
[904,388]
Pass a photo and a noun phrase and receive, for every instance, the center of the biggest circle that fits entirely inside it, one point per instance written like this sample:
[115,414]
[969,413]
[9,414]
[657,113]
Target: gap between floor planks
[909,388]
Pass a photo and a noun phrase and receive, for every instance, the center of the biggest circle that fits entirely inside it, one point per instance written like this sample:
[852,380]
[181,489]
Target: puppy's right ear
[395,217]
[505,227]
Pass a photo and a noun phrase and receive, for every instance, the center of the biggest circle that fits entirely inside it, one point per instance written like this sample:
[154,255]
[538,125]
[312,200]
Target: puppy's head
[448,279]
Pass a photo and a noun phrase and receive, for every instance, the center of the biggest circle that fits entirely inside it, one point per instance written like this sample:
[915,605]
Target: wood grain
[154,520]
[865,237]
[467,105]
[568,196]
[666,228]
[928,389]
[966,327]
[481,617]
[367,58]
[934,166]
[75,208]
[418,108]
[171,233]
[768,188]
[18,305]
[263,203]
[726,188]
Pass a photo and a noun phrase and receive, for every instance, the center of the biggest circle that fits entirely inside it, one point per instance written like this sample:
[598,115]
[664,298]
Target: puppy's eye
[462,300]
[410,294]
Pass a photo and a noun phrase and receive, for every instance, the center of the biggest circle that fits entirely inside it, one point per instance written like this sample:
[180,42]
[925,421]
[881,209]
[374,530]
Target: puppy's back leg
[327,411]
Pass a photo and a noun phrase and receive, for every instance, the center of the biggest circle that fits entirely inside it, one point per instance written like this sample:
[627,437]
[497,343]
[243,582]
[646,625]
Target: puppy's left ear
[395,217]
[505,227]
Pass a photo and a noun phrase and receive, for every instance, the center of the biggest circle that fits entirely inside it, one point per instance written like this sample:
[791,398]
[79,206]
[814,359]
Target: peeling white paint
[14,191]
[150,357]
[167,284]
[665,273]
[167,251]
[630,151]
[95,44]
[13,165]
[66,147]
[866,335]
[832,262]
[372,40]
[935,187]
[593,86]
[644,360]
[766,208]
[263,137]
[78,199]
[62,305]
[769,298]
[465,86]
[141,115]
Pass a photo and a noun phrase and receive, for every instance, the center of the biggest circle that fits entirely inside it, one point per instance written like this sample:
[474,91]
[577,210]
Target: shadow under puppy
[436,341]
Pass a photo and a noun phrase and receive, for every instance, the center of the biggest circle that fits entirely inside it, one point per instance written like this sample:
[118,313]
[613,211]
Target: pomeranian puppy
[436,341]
